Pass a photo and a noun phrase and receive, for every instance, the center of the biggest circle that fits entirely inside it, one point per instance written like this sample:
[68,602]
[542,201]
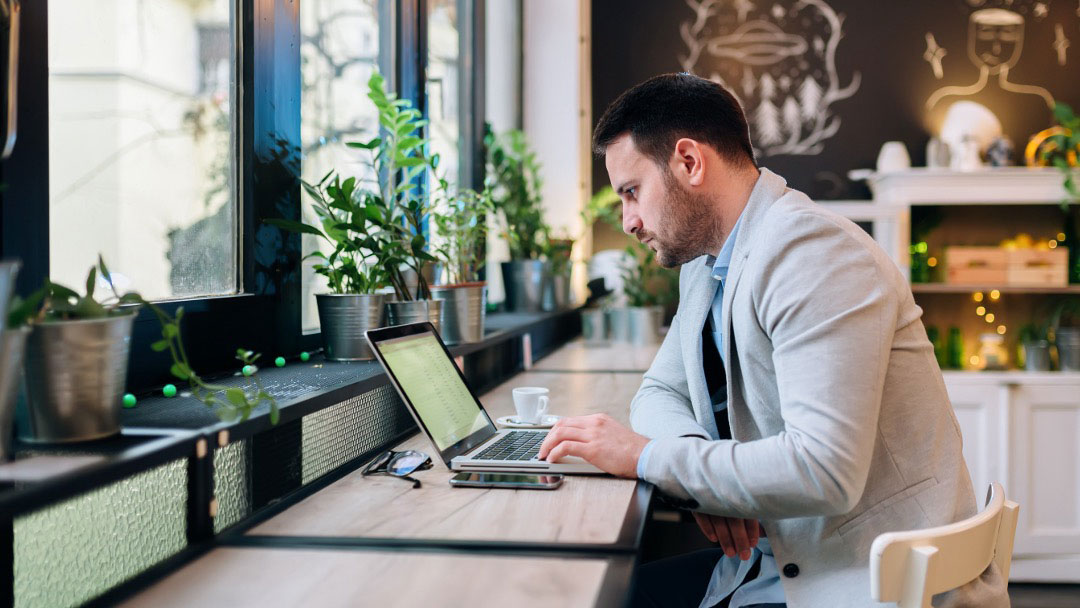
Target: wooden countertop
[576,356]
[305,577]
[586,509]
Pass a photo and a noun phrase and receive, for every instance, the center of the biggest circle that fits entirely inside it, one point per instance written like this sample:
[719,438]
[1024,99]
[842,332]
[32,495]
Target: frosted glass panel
[73,551]
[232,485]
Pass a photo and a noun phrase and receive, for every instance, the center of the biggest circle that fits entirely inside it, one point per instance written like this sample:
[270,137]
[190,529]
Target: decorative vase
[344,318]
[526,284]
[463,311]
[415,311]
[618,322]
[594,326]
[644,324]
[76,372]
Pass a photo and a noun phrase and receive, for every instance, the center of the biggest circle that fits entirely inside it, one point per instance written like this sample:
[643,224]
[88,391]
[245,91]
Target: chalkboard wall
[825,82]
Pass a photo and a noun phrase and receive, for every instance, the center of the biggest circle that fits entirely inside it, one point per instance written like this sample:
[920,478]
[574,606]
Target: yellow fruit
[1008,244]
[1024,240]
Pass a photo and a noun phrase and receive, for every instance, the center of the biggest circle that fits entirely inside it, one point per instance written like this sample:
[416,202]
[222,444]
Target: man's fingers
[566,448]
[705,523]
[556,436]
[723,536]
[738,536]
[753,531]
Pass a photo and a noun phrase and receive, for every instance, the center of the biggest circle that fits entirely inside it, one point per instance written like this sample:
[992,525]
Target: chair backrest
[910,567]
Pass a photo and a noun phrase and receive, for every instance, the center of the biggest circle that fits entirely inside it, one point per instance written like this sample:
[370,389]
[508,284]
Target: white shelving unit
[1020,428]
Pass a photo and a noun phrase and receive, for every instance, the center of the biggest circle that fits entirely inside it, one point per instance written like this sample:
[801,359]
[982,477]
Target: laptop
[433,388]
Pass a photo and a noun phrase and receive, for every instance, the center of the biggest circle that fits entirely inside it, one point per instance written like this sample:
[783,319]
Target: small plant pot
[1068,345]
[415,311]
[344,318]
[526,283]
[1037,356]
[618,324]
[644,324]
[76,372]
[558,295]
[594,326]
[12,348]
[463,311]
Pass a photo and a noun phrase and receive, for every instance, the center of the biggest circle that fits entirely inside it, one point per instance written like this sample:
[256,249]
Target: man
[796,387]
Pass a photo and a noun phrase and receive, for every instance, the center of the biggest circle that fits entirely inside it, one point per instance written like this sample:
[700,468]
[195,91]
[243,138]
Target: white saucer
[546,422]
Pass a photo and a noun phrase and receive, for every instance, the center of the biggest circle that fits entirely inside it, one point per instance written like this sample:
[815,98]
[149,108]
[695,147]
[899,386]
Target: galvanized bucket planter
[415,311]
[12,348]
[559,294]
[594,326]
[526,283]
[344,318]
[75,377]
[1068,345]
[463,311]
[618,323]
[642,324]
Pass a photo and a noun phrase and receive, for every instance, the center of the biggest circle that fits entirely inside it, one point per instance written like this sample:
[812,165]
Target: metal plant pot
[526,283]
[594,326]
[415,311]
[8,272]
[12,347]
[619,324]
[344,318]
[644,324]
[463,311]
[75,377]
[558,297]
[1068,345]
[1037,356]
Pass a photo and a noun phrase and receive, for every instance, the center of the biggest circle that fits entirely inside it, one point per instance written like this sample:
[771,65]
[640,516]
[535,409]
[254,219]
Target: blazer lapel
[692,312]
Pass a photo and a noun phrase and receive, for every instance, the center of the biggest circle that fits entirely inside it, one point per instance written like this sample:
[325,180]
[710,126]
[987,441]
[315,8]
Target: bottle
[954,349]
[934,336]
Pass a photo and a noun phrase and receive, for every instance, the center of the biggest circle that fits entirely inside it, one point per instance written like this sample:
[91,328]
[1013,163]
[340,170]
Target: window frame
[265,314]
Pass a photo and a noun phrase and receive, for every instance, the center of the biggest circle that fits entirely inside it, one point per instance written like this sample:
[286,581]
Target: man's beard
[687,227]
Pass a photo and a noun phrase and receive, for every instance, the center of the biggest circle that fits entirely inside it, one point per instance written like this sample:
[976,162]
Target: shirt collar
[721,262]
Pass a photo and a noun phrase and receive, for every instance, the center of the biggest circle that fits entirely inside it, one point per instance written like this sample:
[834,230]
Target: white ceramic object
[531,403]
[546,422]
[893,157]
[968,120]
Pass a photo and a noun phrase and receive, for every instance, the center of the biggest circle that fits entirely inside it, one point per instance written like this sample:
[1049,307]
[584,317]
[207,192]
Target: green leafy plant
[1063,148]
[56,303]
[376,225]
[645,282]
[514,178]
[460,219]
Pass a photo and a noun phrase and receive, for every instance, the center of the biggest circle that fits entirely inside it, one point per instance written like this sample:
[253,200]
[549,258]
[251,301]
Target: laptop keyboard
[515,445]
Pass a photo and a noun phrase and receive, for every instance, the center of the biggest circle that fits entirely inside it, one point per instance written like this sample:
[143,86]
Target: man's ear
[688,162]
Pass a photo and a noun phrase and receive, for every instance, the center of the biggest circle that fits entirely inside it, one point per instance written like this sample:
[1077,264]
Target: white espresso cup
[531,402]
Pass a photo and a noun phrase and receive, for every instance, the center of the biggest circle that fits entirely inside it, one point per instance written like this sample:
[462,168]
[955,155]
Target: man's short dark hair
[663,109]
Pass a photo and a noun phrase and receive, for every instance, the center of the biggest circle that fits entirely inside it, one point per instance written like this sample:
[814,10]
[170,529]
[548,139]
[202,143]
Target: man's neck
[732,197]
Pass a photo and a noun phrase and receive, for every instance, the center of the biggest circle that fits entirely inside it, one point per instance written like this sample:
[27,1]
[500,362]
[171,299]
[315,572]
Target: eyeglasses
[399,464]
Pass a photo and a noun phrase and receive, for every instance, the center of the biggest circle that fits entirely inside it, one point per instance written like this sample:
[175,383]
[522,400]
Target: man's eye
[632,192]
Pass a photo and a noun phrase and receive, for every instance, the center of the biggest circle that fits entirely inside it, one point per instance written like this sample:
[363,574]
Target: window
[340,49]
[444,86]
[141,163]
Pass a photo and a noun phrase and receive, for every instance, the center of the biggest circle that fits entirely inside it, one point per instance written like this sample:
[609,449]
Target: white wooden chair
[910,567]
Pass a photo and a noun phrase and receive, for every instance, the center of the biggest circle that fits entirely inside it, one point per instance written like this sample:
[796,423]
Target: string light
[990,317]
[980,311]
[931,262]
[1001,329]
[1061,236]
[974,360]
[994,295]
[977,296]
[1053,244]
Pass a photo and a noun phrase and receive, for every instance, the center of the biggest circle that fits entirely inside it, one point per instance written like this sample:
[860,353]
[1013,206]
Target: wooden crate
[1035,268]
[975,265]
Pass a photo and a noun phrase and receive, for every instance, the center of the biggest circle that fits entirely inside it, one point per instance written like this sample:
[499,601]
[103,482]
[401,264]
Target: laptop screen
[433,386]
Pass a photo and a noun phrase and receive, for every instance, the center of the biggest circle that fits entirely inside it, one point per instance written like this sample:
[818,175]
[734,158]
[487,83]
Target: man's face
[993,41]
[658,209]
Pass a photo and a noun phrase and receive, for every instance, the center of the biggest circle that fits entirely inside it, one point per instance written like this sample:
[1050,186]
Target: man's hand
[735,536]
[599,440]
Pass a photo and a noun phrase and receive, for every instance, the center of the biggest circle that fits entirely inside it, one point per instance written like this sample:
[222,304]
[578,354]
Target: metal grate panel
[75,550]
[340,433]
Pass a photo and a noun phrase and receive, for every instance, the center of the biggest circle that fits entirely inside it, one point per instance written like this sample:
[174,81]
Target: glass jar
[992,352]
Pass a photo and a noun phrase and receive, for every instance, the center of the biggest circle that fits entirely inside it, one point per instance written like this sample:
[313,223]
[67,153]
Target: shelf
[1013,376]
[996,186]
[950,288]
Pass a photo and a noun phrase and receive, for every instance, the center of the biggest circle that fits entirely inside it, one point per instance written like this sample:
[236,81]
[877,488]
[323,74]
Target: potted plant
[1065,327]
[77,358]
[514,176]
[460,219]
[557,252]
[1061,150]
[352,272]
[648,288]
[12,346]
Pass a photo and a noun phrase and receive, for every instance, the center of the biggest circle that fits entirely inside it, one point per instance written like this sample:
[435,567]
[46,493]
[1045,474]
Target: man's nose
[631,221]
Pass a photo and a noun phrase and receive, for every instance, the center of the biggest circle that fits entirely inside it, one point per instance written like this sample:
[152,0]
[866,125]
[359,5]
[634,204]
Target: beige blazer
[841,425]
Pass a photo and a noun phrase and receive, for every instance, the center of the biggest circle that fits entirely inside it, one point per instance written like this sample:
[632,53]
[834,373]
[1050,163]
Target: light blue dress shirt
[730,572]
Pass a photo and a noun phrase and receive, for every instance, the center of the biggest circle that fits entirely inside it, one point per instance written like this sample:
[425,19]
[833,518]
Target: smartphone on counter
[474,479]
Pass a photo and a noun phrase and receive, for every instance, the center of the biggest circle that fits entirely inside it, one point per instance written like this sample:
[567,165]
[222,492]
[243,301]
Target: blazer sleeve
[662,406]
[828,304]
